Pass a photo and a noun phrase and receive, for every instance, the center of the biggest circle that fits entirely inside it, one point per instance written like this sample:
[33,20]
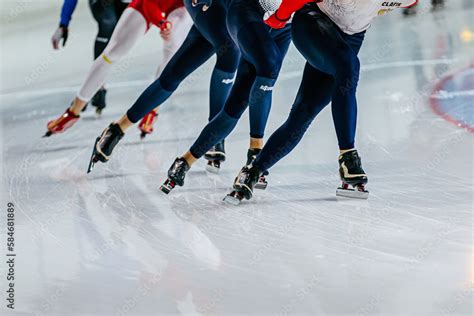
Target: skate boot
[176,175]
[244,184]
[98,100]
[262,181]
[352,174]
[105,144]
[62,123]
[215,156]
[146,124]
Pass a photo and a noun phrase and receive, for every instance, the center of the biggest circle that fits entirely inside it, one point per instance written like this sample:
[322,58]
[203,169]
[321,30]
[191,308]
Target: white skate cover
[352,193]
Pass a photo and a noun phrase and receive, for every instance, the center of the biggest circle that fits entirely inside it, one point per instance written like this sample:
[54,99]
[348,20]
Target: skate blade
[352,194]
[261,185]
[47,134]
[143,135]
[167,186]
[92,163]
[93,159]
[165,189]
[212,169]
[232,199]
[91,166]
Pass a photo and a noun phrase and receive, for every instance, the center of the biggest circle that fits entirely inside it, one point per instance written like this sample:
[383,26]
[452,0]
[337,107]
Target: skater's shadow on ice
[149,140]
[158,141]
[55,150]
[112,176]
[267,201]
[91,118]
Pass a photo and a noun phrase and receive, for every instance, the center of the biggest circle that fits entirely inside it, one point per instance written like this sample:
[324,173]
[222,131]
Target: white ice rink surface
[110,243]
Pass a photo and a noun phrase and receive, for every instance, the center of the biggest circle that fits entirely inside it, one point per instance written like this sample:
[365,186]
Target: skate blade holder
[355,193]
[91,165]
[93,160]
[261,184]
[213,166]
[47,134]
[167,186]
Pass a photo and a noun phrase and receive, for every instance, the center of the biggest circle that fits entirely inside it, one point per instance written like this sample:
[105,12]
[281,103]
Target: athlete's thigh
[120,7]
[241,13]
[318,39]
[131,27]
[282,38]
[181,24]
[194,51]
[103,11]
[258,47]
[212,25]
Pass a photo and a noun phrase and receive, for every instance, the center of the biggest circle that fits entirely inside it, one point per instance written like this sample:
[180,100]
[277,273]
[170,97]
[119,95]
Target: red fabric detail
[155,11]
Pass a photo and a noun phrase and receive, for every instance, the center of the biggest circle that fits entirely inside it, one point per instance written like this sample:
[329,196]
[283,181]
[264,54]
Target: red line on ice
[436,107]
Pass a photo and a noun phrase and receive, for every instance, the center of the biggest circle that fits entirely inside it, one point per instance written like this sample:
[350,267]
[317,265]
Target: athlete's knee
[347,72]
[269,65]
[234,108]
[303,112]
[113,53]
[228,55]
[171,76]
[106,26]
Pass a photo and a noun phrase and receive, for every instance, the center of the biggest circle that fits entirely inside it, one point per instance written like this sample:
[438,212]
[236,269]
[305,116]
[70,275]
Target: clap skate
[176,175]
[105,144]
[243,186]
[147,122]
[215,156]
[352,174]
[262,181]
[98,101]
[62,123]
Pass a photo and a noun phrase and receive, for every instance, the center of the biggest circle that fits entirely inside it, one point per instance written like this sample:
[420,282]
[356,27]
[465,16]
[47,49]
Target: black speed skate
[244,184]
[105,144]
[98,101]
[251,156]
[352,174]
[215,156]
[176,175]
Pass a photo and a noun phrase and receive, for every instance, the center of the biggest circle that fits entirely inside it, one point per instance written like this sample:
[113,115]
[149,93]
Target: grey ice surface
[110,243]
